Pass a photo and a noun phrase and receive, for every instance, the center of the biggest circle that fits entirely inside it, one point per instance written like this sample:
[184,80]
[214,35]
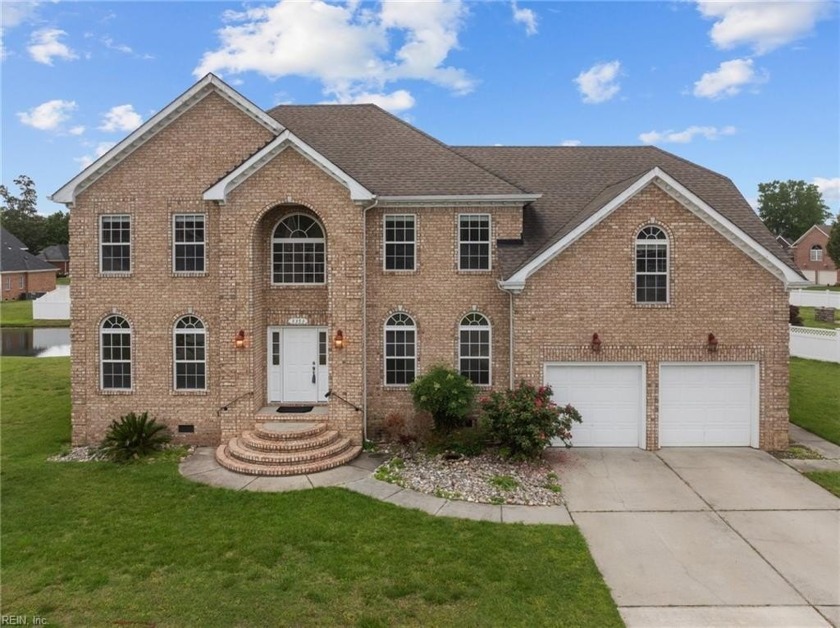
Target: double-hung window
[115,243]
[298,251]
[188,241]
[400,242]
[816,253]
[190,344]
[474,242]
[115,354]
[651,266]
[400,349]
[474,348]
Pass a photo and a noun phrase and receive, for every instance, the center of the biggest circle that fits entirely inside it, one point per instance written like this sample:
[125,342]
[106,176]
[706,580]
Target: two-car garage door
[700,404]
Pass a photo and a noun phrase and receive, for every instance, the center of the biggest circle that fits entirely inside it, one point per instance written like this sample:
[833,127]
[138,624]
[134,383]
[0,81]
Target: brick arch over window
[652,265]
[298,250]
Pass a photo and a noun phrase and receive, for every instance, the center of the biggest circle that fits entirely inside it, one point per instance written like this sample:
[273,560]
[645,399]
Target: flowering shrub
[524,420]
[445,394]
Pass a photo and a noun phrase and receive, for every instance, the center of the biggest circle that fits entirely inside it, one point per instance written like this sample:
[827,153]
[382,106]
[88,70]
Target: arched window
[816,253]
[474,348]
[651,266]
[298,251]
[115,354]
[190,354]
[400,349]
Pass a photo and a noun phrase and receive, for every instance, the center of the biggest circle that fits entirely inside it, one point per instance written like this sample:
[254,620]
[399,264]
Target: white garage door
[707,404]
[608,396]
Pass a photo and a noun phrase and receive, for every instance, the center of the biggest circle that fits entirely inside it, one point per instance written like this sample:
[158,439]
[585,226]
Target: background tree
[833,246]
[790,208]
[19,215]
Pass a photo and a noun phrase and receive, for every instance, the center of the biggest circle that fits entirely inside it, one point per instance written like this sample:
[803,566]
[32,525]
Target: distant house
[811,256]
[59,256]
[783,242]
[21,272]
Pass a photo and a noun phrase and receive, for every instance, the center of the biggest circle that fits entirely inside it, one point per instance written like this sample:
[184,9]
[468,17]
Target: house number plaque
[299,321]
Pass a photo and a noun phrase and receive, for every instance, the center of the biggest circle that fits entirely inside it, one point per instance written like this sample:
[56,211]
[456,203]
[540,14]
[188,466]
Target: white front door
[297,364]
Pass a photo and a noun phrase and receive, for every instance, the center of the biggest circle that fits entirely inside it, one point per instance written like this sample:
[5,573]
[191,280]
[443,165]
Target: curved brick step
[252,441]
[238,466]
[236,449]
[289,430]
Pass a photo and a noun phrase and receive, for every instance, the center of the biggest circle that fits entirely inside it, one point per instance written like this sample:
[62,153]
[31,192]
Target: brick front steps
[286,447]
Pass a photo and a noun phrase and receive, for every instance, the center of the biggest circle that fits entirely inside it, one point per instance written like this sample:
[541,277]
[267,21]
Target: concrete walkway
[357,476]
[829,451]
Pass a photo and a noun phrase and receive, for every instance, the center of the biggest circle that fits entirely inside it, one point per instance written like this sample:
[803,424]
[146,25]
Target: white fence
[53,306]
[815,344]
[815,298]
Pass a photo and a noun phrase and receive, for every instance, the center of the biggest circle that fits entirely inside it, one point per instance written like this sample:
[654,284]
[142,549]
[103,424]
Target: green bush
[446,395]
[134,436]
[525,420]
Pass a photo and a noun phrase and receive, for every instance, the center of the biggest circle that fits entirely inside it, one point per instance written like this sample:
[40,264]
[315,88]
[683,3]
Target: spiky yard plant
[133,436]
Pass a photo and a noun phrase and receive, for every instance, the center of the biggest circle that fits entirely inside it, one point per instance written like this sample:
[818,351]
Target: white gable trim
[817,227]
[220,190]
[210,84]
[692,202]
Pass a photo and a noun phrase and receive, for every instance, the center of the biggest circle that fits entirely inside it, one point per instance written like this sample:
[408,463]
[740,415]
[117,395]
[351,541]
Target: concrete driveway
[707,537]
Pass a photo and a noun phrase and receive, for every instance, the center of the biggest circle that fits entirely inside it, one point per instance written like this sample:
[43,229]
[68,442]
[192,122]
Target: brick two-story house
[810,255]
[229,261]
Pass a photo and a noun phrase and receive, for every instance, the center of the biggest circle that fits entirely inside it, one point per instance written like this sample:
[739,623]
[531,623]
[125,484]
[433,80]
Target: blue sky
[749,89]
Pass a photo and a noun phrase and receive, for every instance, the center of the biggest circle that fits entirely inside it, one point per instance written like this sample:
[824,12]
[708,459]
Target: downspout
[510,341]
[364,320]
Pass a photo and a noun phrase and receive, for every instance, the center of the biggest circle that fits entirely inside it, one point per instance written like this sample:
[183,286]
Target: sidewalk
[829,451]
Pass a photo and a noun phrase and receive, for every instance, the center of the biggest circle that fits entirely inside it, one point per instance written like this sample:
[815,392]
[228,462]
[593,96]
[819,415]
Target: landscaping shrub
[795,318]
[445,394]
[134,436]
[524,420]
[467,441]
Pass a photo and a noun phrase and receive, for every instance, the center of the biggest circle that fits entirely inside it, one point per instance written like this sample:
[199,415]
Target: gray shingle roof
[15,258]
[55,253]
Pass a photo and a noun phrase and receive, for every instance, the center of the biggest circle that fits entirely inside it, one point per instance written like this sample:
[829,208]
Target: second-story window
[115,243]
[399,242]
[651,265]
[816,253]
[298,250]
[188,243]
[474,242]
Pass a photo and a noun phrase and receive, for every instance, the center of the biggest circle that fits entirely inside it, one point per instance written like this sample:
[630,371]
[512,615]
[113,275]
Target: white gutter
[510,342]
[364,321]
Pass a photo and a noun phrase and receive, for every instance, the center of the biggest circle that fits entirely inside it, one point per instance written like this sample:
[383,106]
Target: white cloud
[600,82]
[48,116]
[762,25]
[76,130]
[728,79]
[348,48]
[44,46]
[526,17]
[113,45]
[685,136]
[120,118]
[101,149]
[395,102]
[830,188]
[570,143]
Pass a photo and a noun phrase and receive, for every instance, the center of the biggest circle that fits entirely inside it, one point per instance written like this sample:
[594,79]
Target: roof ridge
[491,171]
[690,163]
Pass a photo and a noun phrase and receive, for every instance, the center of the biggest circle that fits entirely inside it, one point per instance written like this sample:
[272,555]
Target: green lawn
[832,288]
[815,397]
[807,314]
[97,544]
[62,281]
[829,480]
[19,314]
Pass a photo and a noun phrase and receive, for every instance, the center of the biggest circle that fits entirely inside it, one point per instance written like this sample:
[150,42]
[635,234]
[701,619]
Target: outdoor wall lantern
[712,344]
[240,342]
[339,339]
[595,345]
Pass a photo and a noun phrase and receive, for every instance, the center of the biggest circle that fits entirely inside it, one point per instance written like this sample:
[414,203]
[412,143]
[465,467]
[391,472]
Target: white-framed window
[188,243]
[816,253]
[115,353]
[400,350]
[22,282]
[115,243]
[298,251]
[474,348]
[400,238]
[8,283]
[651,265]
[189,345]
[474,242]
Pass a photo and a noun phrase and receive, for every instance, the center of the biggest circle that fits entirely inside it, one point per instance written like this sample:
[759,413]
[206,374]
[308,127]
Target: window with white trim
[474,242]
[190,354]
[298,251]
[474,348]
[8,283]
[188,242]
[651,265]
[816,253]
[400,243]
[115,353]
[22,282]
[400,350]
[115,243]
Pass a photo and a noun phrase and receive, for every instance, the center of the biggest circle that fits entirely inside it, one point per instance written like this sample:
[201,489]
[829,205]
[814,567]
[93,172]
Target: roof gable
[15,258]
[823,229]
[210,84]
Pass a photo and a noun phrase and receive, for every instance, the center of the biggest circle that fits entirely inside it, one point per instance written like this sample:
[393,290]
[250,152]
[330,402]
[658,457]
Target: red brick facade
[17,284]
[815,269]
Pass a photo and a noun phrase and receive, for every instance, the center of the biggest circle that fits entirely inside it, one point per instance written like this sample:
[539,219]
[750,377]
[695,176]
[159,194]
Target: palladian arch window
[115,354]
[190,354]
[651,265]
[298,251]
[400,349]
[474,348]
[816,253]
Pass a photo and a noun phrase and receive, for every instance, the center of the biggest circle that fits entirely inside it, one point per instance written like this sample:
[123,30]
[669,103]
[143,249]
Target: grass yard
[807,314]
[835,288]
[98,544]
[815,397]
[829,480]
[19,314]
